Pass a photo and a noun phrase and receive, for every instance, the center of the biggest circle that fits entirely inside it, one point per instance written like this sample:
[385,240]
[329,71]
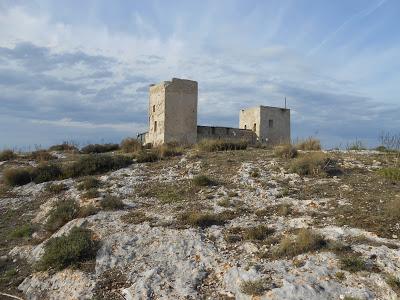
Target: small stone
[394,236]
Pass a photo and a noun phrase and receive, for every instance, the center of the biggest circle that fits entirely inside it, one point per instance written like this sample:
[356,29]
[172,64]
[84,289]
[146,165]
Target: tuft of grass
[256,287]
[258,233]
[390,173]
[212,145]
[89,182]
[94,164]
[203,180]
[340,276]
[130,145]
[315,164]
[55,188]
[147,156]
[44,173]
[65,146]
[7,155]
[169,150]
[135,217]
[17,176]
[99,148]
[62,213]
[305,241]
[68,250]
[285,151]
[285,209]
[91,193]
[23,231]
[41,155]
[352,263]
[203,220]
[110,202]
[87,211]
[309,144]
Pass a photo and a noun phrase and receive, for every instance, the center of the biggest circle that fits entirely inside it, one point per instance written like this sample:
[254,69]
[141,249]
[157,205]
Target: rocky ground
[150,249]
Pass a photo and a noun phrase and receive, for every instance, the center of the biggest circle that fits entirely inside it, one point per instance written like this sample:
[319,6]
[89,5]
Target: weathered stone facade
[173,118]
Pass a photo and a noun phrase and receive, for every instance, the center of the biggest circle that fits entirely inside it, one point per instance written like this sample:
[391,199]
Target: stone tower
[173,112]
[271,124]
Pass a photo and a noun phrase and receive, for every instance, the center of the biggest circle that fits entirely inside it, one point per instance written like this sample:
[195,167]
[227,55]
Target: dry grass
[392,174]
[353,263]
[135,217]
[203,180]
[315,164]
[203,220]
[393,208]
[7,155]
[257,287]
[110,202]
[130,145]
[211,145]
[309,144]
[285,151]
[169,150]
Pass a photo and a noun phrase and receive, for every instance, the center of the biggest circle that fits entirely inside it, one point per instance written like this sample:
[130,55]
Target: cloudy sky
[79,70]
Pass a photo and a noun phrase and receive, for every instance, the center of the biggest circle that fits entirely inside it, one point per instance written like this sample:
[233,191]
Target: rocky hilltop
[191,224]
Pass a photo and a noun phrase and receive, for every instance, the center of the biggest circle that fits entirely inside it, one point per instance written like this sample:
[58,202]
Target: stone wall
[225,133]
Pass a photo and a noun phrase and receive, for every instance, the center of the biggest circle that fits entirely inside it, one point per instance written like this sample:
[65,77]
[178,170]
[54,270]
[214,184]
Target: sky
[79,71]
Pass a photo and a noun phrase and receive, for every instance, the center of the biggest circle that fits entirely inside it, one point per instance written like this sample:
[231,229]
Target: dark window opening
[255,127]
[245,126]
[271,123]
[155,126]
[154,108]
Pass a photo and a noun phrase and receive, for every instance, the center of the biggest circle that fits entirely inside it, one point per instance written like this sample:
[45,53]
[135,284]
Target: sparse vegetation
[63,212]
[394,283]
[256,287]
[55,188]
[40,155]
[91,193]
[44,173]
[309,144]
[169,150]
[352,263]
[357,145]
[210,145]
[130,145]
[147,156]
[257,232]
[23,231]
[390,173]
[110,202]
[135,217]
[89,182]
[68,250]
[285,151]
[203,180]
[17,176]
[99,148]
[314,164]
[393,208]
[305,241]
[203,220]
[65,146]
[7,155]
[87,211]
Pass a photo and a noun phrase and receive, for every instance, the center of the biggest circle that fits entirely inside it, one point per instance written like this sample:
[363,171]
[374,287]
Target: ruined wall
[225,133]
[271,124]
[156,114]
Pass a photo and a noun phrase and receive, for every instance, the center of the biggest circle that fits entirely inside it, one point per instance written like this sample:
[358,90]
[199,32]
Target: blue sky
[79,70]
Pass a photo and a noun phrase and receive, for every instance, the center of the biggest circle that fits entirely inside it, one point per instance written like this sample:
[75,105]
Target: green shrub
[203,220]
[130,145]
[68,250]
[309,144]
[62,213]
[89,182]
[285,151]
[211,145]
[17,176]
[147,156]
[390,173]
[99,148]
[309,164]
[65,146]
[305,241]
[44,173]
[7,155]
[352,263]
[203,180]
[257,233]
[94,164]
[110,202]
[55,188]
[24,231]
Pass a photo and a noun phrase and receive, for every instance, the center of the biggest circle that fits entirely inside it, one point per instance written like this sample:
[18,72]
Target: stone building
[173,118]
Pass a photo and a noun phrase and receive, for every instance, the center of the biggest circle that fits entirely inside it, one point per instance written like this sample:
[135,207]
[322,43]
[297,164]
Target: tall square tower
[173,112]
[271,124]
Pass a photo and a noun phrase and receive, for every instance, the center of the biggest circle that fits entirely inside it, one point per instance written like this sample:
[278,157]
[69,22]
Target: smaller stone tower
[271,124]
[173,112]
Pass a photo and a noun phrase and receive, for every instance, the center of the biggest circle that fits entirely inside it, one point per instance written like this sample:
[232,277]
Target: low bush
[390,173]
[94,164]
[63,212]
[110,202]
[87,211]
[255,287]
[305,241]
[65,146]
[135,217]
[212,145]
[316,163]
[68,250]
[257,232]
[285,151]
[130,145]
[17,176]
[203,220]
[91,193]
[24,231]
[147,156]
[352,263]
[89,182]
[309,144]
[167,150]
[203,180]
[44,173]
[55,188]
[40,155]
[7,155]
[99,148]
